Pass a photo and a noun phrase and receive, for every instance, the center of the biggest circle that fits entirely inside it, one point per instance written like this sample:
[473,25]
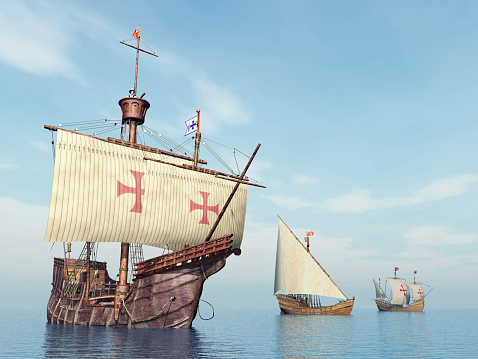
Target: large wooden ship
[118,190]
[400,299]
[303,279]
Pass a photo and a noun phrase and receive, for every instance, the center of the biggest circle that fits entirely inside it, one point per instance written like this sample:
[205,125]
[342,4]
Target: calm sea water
[367,333]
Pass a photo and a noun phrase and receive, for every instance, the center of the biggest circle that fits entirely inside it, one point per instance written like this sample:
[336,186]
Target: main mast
[134,111]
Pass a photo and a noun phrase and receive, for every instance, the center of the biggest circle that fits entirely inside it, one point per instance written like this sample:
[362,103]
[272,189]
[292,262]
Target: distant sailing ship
[116,190]
[303,279]
[400,301]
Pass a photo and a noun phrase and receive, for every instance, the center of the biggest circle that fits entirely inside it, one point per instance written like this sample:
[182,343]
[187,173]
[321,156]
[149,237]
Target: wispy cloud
[39,145]
[433,242]
[37,36]
[219,103]
[359,201]
[8,164]
[437,236]
[222,106]
[304,180]
[290,202]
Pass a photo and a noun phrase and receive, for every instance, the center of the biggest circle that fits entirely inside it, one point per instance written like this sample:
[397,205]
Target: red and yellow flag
[136,32]
[310,233]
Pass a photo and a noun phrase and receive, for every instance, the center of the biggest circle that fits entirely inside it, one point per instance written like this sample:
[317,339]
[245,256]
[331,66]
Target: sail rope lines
[172,299]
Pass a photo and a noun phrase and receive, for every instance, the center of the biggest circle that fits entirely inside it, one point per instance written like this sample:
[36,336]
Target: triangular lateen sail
[297,272]
[379,293]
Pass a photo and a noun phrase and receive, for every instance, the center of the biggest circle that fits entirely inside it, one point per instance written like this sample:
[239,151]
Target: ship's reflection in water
[75,341]
[301,336]
[71,341]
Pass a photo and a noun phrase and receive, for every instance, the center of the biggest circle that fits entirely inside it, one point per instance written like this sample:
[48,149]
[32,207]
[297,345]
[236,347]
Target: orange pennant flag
[136,32]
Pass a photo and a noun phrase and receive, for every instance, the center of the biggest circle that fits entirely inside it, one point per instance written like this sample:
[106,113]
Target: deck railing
[184,256]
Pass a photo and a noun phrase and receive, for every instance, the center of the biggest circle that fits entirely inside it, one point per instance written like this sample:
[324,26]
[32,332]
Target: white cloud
[33,42]
[8,164]
[39,145]
[437,236]
[221,106]
[431,242]
[304,180]
[359,201]
[290,202]
[37,36]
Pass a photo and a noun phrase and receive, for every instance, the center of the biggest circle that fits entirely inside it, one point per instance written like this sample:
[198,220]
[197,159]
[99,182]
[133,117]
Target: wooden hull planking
[412,307]
[148,303]
[289,305]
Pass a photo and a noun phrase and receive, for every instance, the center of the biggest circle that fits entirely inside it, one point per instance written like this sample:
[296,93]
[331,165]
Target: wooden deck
[288,305]
[413,307]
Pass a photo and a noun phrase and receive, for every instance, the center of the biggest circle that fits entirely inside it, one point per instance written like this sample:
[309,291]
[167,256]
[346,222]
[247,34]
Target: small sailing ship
[400,300]
[303,279]
[118,190]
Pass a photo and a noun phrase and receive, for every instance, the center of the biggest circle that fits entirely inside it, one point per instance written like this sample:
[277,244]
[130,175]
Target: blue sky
[366,112]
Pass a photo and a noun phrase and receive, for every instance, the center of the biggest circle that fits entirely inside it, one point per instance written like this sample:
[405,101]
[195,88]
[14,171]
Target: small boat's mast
[198,142]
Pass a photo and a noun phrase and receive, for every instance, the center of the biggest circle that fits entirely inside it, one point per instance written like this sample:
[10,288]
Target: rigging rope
[53,146]
[202,300]
[218,158]
[172,299]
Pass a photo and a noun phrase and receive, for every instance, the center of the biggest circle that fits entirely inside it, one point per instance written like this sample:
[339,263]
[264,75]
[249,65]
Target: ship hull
[149,303]
[289,305]
[413,307]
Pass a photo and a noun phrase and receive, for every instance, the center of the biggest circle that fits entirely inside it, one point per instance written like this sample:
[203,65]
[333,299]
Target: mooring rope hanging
[172,299]
[202,300]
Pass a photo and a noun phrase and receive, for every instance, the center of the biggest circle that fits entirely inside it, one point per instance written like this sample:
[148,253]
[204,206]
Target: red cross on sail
[138,191]
[403,290]
[205,208]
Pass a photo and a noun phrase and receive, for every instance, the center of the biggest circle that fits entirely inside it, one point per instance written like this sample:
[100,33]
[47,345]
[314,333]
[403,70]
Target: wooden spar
[128,144]
[134,47]
[232,194]
[244,182]
[136,73]
[197,142]
[428,292]
[88,255]
[220,175]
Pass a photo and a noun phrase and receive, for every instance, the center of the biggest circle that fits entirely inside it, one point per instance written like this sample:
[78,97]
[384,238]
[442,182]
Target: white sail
[104,192]
[379,293]
[297,272]
[401,294]
[417,290]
